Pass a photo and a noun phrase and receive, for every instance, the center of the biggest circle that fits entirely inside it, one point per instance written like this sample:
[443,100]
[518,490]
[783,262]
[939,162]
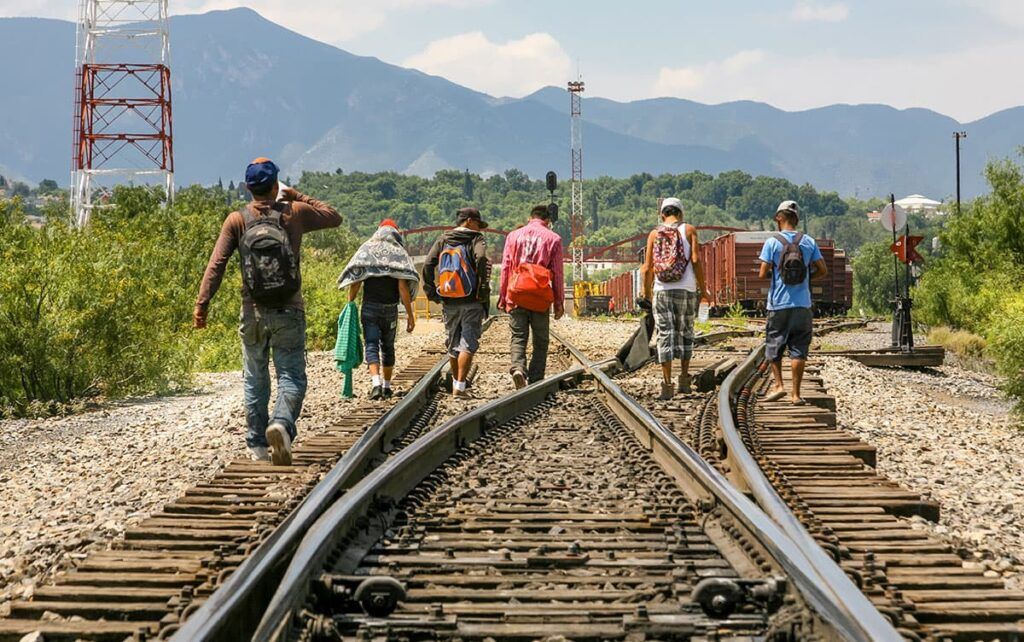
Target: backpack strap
[786,244]
[247,217]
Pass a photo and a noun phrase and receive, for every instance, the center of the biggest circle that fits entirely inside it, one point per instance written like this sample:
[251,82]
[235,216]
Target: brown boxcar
[732,264]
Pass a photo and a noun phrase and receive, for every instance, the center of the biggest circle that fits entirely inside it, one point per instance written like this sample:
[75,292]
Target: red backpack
[670,258]
[529,287]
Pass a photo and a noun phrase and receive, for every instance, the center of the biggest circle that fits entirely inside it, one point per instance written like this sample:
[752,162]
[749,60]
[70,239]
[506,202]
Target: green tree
[48,186]
[977,281]
[873,279]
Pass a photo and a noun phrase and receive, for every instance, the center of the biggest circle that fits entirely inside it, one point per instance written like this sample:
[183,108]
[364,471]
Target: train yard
[578,508]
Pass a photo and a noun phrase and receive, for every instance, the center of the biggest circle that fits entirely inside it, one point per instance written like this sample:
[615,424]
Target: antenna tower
[576,220]
[122,115]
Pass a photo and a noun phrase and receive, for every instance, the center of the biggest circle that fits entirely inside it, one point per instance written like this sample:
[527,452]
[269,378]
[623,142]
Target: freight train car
[731,266]
[732,263]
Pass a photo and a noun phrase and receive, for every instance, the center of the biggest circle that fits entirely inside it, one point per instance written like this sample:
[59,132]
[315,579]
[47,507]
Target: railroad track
[826,479]
[564,509]
[249,513]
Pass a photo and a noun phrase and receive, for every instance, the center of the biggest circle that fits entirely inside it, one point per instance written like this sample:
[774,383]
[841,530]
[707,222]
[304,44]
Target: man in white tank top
[677,293]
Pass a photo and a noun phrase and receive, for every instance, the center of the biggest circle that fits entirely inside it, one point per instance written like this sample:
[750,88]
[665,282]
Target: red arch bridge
[419,240]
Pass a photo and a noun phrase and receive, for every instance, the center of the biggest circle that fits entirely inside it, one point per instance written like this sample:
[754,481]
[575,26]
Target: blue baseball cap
[261,173]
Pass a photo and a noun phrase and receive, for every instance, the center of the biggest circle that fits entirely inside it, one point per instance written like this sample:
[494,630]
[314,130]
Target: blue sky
[958,57]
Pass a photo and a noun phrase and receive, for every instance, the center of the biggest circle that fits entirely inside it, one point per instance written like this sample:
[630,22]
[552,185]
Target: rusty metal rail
[864,619]
[212,554]
[820,482]
[344,534]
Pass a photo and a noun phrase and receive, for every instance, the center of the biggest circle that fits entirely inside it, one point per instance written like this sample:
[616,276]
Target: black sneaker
[388,393]
[376,393]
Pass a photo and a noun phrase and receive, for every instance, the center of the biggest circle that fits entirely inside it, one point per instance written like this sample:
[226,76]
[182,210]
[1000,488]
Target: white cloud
[513,68]
[688,81]
[802,82]
[1008,12]
[678,82]
[811,11]
[742,61]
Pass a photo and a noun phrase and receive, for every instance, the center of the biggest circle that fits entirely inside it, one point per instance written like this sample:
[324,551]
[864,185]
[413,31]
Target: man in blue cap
[267,233]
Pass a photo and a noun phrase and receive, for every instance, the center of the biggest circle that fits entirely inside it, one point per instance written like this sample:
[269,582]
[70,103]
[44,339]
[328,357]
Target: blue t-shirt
[780,295]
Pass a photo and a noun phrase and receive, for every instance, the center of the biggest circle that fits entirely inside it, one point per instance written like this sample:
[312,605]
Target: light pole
[958,136]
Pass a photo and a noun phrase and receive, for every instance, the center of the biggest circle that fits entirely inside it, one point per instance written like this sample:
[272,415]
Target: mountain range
[243,87]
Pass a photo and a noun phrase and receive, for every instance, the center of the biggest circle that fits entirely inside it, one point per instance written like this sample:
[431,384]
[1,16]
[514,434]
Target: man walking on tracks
[267,234]
[385,267]
[672,266]
[456,274]
[531,282]
[792,259]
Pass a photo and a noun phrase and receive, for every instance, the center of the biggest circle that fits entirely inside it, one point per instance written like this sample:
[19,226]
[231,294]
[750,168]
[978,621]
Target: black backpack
[270,269]
[792,268]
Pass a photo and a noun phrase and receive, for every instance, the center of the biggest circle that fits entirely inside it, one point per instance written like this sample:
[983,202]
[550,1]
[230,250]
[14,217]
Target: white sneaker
[280,444]
[259,453]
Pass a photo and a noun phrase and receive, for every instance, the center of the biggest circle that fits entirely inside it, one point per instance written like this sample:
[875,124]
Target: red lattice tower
[123,128]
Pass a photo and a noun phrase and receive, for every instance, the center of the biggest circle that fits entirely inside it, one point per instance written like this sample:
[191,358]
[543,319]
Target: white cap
[788,206]
[672,202]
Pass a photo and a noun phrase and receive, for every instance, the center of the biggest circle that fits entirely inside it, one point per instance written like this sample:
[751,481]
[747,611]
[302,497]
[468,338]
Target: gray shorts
[462,326]
[788,328]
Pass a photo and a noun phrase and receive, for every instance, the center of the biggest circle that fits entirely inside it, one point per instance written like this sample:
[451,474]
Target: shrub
[107,310]
[1006,345]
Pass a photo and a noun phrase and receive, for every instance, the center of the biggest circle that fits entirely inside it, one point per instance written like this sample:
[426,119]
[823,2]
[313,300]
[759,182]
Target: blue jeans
[280,333]
[380,324]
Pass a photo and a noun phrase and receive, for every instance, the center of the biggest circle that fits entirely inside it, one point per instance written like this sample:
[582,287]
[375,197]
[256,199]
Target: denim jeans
[521,322]
[380,324]
[279,334]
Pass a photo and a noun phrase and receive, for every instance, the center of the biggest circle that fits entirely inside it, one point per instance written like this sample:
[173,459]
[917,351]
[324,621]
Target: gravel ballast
[949,435]
[74,483]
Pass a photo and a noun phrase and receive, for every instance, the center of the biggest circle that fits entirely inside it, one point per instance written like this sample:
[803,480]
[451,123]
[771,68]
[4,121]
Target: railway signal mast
[122,117]
[576,221]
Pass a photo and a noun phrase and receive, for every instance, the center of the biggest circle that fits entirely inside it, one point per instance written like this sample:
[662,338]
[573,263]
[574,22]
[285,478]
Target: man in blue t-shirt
[790,322]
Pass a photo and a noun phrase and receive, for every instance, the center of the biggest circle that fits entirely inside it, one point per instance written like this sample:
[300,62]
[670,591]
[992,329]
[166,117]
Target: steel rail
[231,610]
[398,476]
[849,609]
[392,480]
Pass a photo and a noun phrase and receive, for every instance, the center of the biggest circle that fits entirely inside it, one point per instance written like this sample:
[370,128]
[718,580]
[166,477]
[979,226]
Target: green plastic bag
[348,350]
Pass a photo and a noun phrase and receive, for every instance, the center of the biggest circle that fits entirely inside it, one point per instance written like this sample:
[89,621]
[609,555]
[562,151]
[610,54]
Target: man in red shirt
[531,282]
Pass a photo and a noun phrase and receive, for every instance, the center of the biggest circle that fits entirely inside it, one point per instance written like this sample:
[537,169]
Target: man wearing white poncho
[390,277]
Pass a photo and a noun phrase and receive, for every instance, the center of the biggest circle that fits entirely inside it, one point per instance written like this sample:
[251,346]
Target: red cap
[389,222]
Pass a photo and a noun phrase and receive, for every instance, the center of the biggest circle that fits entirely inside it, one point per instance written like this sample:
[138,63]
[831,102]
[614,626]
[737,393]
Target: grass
[825,346]
[962,343]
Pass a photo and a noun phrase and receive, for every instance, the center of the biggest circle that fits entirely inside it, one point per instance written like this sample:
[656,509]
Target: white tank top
[689,280]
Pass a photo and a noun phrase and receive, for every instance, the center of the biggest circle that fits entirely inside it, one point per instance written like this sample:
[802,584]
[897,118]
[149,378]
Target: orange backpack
[529,288]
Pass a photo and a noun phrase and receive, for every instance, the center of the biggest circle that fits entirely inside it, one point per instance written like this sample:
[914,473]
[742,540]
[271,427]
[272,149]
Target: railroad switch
[377,596]
[720,597]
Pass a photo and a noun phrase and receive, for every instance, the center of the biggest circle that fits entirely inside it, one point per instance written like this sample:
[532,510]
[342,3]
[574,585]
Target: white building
[918,204]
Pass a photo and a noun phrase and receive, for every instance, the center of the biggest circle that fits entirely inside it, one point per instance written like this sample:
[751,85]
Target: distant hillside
[244,86]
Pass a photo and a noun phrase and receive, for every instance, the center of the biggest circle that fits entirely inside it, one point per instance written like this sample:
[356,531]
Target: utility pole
[576,220]
[958,136]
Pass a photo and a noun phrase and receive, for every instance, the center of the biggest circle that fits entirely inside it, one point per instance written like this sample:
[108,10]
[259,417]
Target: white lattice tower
[123,130]
[576,220]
